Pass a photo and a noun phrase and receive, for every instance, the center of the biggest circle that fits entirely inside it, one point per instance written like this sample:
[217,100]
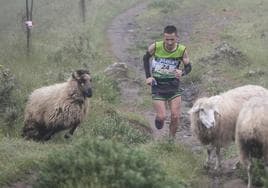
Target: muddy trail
[121,34]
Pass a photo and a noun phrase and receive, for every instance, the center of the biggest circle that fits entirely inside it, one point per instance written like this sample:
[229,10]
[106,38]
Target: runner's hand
[150,80]
[178,73]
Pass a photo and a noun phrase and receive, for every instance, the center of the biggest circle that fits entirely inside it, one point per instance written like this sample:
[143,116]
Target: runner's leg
[175,108]
[160,109]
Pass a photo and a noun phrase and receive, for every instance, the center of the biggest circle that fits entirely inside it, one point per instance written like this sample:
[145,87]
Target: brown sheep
[57,107]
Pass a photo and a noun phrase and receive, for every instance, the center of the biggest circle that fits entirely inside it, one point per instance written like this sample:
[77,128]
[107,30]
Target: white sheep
[252,133]
[213,119]
[57,107]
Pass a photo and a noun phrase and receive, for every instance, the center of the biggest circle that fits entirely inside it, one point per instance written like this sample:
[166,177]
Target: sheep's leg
[249,171]
[29,129]
[218,158]
[209,156]
[71,132]
[245,158]
[30,133]
[48,135]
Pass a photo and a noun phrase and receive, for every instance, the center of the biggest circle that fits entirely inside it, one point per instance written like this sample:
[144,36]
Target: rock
[189,93]
[255,73]
[117,71]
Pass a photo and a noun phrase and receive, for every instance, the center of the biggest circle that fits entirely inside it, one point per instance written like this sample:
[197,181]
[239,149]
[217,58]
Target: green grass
[19,157]
[180,163]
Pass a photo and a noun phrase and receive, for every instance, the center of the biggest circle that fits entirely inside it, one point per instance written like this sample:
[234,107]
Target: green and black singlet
[164,64]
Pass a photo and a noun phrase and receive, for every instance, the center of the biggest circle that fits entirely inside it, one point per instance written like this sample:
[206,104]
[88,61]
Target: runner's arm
[186,62]
[146,60]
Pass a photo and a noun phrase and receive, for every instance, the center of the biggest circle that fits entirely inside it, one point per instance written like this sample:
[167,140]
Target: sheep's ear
[74,75]
[216,109]
[78,73]
[194,109]
[215,101]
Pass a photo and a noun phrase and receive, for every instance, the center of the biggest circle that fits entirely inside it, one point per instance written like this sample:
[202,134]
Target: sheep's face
[84,80]
[206,116]
[206,110]
[86,85]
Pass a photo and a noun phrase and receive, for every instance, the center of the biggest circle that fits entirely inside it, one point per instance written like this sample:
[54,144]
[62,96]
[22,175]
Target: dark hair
[170,29]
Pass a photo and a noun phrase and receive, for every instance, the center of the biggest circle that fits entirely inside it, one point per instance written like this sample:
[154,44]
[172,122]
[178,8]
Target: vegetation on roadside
[102,163]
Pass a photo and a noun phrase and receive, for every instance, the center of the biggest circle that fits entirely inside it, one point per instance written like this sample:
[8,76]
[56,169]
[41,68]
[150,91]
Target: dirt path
[121,34]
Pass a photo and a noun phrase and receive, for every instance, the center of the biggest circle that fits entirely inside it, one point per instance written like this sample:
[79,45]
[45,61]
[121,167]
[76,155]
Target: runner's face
[170,41]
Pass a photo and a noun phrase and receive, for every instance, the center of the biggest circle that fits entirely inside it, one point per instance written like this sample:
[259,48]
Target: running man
[163,75]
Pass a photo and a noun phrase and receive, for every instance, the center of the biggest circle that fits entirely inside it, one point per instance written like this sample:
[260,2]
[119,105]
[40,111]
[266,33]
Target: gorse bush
[99,163]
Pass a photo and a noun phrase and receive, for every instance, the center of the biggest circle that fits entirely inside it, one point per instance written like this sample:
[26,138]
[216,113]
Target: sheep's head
[206,109]
[83,79]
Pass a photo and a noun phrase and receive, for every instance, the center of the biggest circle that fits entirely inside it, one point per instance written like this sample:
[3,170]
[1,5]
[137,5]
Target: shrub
[99,163]
[8,109]
[7,84]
